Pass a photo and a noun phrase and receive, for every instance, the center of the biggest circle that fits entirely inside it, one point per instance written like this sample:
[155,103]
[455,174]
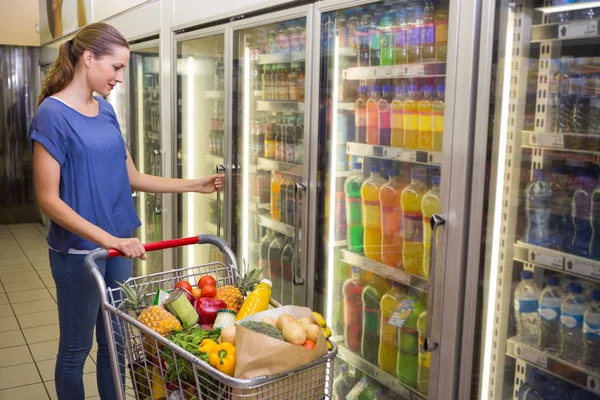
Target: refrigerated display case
[271,71]
[200,128]
[533,287]
[119,99]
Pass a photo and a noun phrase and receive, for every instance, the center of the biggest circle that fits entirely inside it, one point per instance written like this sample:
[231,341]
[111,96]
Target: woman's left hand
[208,184]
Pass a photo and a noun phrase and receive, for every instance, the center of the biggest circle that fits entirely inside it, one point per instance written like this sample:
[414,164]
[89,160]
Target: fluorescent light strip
[569,7]
[191,70]
[246,160]
[140,148]
[496,235]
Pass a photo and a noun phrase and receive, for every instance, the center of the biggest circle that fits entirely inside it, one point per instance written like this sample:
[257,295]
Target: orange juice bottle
[425,114]
[398,118]
[411,119]
[412,222]
[388,334]
[373,116]
[371,213]
[391,233]
[438,119]
[430,206]
[276,181]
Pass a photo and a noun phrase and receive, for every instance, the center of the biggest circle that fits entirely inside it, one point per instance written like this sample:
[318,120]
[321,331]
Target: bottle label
[527,302]
[374,39]
[441,31]
[397,119]
[438,121]
[413,35]
[409,342]
[549,314]
[269,148]
[411,121]
[424,357]
[295,41]
[371,214]
[390,222]
[360,117]
[405,308]
[388,333]
[572,320]
[299,153]
[591,330]
[425,122]
[412,227]
[290,150]
[384,119]
[399,37]
[428,33]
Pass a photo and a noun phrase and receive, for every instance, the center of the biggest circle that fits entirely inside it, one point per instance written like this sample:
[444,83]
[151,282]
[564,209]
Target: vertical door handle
[299,272]
[157,206]
[220,168]
[436,221]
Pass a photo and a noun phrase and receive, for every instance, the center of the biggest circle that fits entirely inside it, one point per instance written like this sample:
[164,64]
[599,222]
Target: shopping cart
[146,365]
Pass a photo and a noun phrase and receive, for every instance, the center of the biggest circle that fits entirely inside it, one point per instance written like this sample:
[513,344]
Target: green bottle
[407,367]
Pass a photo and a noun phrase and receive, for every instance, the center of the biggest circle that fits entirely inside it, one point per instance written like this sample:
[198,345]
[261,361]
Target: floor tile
[49,282]
[8,324]
[52,291]
[12,260]
[90,384]
[17,269]
[30,392]
[18,277]
[41,333]
[21,297]
[1,288]
[30,285]
[32,307]
[3,298]
[44,350]
[6,311]
[15,356]
[18,375]
[11,339]
[38,319]
[51,390]
[47,367]
[45,274]
[14,253]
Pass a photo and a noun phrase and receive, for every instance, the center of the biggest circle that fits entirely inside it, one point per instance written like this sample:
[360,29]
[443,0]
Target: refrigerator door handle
[134,194]
[157,206]
[220,168]
[299,272]
[436,221]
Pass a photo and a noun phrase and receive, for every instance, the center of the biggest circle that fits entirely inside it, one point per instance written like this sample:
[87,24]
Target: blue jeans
[78,313]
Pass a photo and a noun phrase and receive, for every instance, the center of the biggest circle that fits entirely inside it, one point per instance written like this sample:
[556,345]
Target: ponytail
[99,38]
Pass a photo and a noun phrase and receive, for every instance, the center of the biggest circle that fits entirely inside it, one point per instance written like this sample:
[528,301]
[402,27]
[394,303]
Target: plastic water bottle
[527,295]
[565,284]
[566,99]
[538,205]
[549,311]
[595,221]
[582,106]
[560,206]
[581,206]
[591,333]
[571,318]
[343,383]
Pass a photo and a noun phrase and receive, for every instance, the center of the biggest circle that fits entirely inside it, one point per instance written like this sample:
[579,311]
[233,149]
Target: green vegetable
[264,328]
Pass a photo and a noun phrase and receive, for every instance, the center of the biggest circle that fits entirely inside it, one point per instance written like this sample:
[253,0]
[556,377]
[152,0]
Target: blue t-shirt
[93,171]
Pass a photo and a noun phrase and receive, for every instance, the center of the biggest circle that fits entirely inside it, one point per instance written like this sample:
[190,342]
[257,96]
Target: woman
[84,177]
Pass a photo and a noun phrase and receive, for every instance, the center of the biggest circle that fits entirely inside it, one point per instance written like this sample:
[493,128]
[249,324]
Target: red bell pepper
[207,309]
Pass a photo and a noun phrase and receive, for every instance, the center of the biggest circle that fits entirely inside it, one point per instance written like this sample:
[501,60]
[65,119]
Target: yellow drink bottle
[425,116]
[412,222]
[398,118]
[438,119]
[257,301]
[388,343]
[276,181]
[430,206]
[411,119]
[371,213]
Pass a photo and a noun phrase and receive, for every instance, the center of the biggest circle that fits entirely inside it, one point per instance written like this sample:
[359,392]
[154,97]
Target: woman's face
[105,72]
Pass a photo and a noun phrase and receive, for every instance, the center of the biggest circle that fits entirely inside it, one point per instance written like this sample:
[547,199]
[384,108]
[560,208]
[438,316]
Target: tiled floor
[29,319]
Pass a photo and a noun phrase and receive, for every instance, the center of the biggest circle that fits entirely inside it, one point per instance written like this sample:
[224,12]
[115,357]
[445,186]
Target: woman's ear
[88,57]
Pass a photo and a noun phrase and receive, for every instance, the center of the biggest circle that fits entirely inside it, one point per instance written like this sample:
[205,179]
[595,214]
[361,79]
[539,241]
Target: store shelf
[575,374]
[282,57]
[434,69]
[214,94]
[343,105]
[276,226]
[395,274]
[571,142]
[337,243]
[584,29]
[556,260]
[379,375]
[257,93]
[394,153]
[343,174]
[569,7]
[281,106]
[214,159]
[274,165]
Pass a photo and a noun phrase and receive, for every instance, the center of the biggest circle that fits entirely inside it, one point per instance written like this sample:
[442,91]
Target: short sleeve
[52,140]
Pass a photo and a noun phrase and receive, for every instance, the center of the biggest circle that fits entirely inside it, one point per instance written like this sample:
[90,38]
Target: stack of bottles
[564,214]
[403,116]
[216,136]
[281,82]
[543,386]
[277,255]
[284,139]
[283,199]
[286,37]
[573,15]
[563,319]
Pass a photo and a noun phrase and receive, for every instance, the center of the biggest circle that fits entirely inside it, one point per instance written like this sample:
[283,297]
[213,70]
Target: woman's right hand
[131,247]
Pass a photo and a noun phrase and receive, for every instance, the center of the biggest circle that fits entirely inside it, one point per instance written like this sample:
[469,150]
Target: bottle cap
[399,88]
[375,168]
[596,295]
[417,174]
[436,180]
[441,89]
[575,288]
[356,270]
[526,274]
[539,175]
[343,368]
[552,281]
[357,166]
[385,88]
[361,89]
[412,88]
[374,88]
[392,172]
[428,89]
[268,282]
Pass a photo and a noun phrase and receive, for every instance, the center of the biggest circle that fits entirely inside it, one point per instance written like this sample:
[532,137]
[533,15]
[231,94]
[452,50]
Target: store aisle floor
[29,318]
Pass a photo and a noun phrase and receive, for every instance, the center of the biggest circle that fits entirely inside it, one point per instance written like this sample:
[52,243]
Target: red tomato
[207,280]
[209,291]
[309,344]
[184,285]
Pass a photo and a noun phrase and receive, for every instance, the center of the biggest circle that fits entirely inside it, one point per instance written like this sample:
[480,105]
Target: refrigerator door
[145,146]
[271,70]
[200,128]
[532,319]
[119,99]
[393,140]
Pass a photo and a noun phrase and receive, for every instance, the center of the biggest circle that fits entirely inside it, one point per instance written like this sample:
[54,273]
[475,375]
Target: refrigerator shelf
[214,159]
[282,106]
[257,93]
[274,165]
[395,274]
[583,29]
[576,374]
[282,57]
[558,261]
[214,94]
[433,69]
[276,226]
[336,243]
[568,7]
[568,142]
[344,105]
[394,153]
[343,174]
[379,375]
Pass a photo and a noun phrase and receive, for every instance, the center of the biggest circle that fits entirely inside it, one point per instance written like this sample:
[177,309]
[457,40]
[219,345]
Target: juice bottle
[407,366]
[341,273]
[290,141]
[375,38]
[266,81]
[388,334]
[371,213]
[275,79]
[293,82]
[284,83]
[280,140]
[287,271]
[257,301]
[360,115]
[265,243]
[276,181]
[283,214]
[438,119]
[397,120]
[412,222]
[299,131]
[291,200]
[400,29]
[441,30]
[386,27]
[373,116]
[391,233]
[430,205]
[353,289]
[428,34]
[425,122]
[300,85]
[424,358]
[413,32]
[270,144]
[411,119]
[354,225]
[385,131]
[371,299]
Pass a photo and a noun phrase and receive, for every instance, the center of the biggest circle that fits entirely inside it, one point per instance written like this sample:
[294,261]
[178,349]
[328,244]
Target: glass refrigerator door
[269,148]
[381,126]
[200,140]
[119,99]
[539,314]
[145,147]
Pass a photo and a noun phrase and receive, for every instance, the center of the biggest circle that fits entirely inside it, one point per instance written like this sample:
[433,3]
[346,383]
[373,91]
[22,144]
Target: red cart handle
[165,244]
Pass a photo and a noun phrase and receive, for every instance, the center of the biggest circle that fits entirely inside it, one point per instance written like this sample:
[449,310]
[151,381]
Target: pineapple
[233,296]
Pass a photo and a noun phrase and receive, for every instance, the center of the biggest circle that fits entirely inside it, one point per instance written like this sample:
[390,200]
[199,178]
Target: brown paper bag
[261,355]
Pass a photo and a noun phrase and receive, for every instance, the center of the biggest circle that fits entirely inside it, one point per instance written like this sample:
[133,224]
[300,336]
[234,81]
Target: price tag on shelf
[531,355]
[547,259]
[593,383]
[435,158]
[582,267]
[401,277]
[412,155]
[299,56]
[548,140]
[301,107]
[578,29]
[416,69]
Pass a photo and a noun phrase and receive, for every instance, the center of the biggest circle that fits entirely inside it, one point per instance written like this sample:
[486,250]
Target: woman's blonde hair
[99,38]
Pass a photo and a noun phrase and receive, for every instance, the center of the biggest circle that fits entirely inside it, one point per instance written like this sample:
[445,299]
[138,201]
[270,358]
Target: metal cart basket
[146,365]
